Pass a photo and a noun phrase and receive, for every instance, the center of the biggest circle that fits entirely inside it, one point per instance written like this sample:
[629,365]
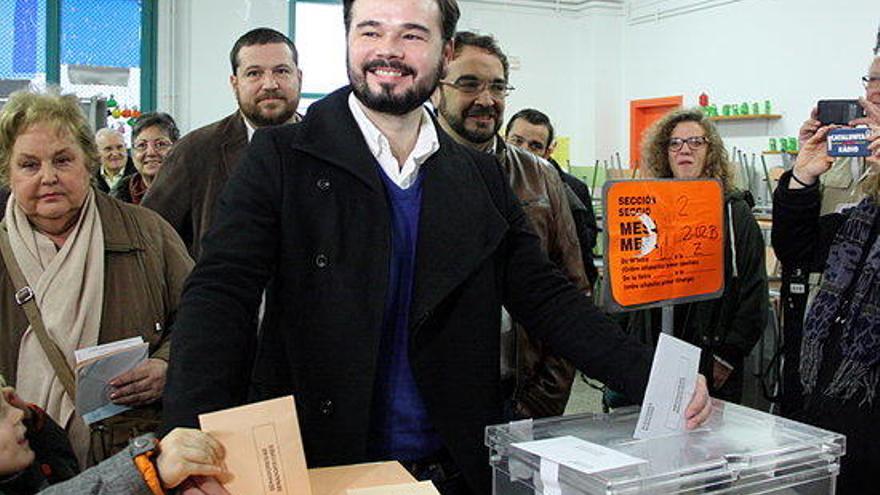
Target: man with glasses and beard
[470,105]
[266,82]
[392,249]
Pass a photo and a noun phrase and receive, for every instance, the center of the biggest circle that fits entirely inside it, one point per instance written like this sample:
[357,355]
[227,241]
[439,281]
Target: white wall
[584,69]
[792,52]
[547,51]
[195,37]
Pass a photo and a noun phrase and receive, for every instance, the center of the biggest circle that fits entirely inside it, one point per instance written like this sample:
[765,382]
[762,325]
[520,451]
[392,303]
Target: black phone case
[839,112]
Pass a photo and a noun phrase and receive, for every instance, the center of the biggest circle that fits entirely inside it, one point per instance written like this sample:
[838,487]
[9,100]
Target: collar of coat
[460,226]
[330,132]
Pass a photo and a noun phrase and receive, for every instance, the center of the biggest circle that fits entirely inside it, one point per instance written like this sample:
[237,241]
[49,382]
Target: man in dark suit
[266,82]
[392,249]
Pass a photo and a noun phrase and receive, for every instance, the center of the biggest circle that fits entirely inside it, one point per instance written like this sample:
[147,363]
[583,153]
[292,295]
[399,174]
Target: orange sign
[664,242]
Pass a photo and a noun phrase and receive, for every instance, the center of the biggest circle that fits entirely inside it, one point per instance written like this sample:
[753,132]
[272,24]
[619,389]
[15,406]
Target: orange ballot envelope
[417,488]
[264,452]
[337,480]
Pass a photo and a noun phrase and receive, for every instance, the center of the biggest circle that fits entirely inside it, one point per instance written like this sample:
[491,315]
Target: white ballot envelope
[670,387]
[95,367]
[264,451]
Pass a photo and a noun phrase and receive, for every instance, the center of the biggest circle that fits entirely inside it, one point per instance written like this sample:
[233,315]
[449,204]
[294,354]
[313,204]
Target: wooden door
[643,113]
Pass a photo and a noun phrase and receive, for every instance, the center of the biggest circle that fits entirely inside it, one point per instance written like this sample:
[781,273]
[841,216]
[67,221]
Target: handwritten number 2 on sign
[682,203]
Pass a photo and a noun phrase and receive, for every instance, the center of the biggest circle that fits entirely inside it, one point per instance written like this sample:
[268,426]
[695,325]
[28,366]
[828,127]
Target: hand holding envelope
[202,485]
[186,452]
[700,407]
[264,456]
[673,380]
[264,449]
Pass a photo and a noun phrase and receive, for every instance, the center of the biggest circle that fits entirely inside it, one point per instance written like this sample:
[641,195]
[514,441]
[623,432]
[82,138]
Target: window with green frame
[316,28]
[88,47]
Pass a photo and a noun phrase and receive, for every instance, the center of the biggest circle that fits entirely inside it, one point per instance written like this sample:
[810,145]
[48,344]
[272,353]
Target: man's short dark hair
[534,117]
[260,36]
[161,119]
[449,14]
[483,42]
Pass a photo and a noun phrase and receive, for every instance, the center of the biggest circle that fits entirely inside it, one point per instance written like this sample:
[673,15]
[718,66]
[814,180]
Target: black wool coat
[307,209]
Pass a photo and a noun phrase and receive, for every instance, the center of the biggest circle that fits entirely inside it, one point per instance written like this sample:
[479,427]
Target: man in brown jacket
[266,82]
[470,104]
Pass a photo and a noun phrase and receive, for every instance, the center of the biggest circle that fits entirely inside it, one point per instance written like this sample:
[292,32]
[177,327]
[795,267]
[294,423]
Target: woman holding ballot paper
[78,269]
[685,144]
[840,348]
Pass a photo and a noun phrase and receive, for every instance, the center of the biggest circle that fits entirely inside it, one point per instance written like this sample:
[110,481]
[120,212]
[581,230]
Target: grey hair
[105,131]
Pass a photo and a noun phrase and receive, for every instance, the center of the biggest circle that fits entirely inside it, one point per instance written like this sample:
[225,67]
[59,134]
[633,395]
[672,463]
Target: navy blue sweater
[404,430]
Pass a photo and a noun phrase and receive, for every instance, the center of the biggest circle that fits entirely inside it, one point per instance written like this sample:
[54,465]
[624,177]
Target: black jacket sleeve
[552,310]
[801,238]
[213,339]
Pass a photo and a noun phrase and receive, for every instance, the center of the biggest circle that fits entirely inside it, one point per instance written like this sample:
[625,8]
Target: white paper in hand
[670,387]
[96,367]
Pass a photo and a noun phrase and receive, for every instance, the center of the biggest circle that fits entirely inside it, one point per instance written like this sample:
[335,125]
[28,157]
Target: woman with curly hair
[685,144]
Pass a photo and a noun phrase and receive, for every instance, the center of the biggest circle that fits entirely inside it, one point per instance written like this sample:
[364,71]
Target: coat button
[326,407]
[323,184]
[321,261]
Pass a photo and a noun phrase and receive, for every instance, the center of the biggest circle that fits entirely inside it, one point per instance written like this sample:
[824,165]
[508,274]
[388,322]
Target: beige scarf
[69,287]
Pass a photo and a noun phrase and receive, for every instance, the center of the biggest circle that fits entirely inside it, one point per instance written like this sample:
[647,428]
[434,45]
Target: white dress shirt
[426,145]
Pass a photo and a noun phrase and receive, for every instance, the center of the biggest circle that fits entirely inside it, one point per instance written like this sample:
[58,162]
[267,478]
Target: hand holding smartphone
[844,141]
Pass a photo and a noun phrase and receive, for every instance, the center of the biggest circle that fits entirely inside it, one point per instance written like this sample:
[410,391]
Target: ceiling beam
[566,6]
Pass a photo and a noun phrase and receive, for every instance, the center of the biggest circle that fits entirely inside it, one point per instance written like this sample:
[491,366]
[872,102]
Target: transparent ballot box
[738,451]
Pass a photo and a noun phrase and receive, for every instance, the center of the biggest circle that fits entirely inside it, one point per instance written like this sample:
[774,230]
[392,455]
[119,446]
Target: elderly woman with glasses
[95,270]
[685,144]
[152,137]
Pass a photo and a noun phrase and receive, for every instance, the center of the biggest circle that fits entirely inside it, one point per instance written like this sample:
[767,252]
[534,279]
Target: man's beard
[385,101]
[456,122]
[252,111]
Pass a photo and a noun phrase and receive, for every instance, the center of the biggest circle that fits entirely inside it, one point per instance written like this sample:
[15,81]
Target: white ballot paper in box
[264,452]
[670,387]
[580,455]
[574,453]
[96,366]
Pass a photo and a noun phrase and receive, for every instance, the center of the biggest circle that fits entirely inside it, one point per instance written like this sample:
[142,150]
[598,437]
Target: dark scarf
[847,298]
